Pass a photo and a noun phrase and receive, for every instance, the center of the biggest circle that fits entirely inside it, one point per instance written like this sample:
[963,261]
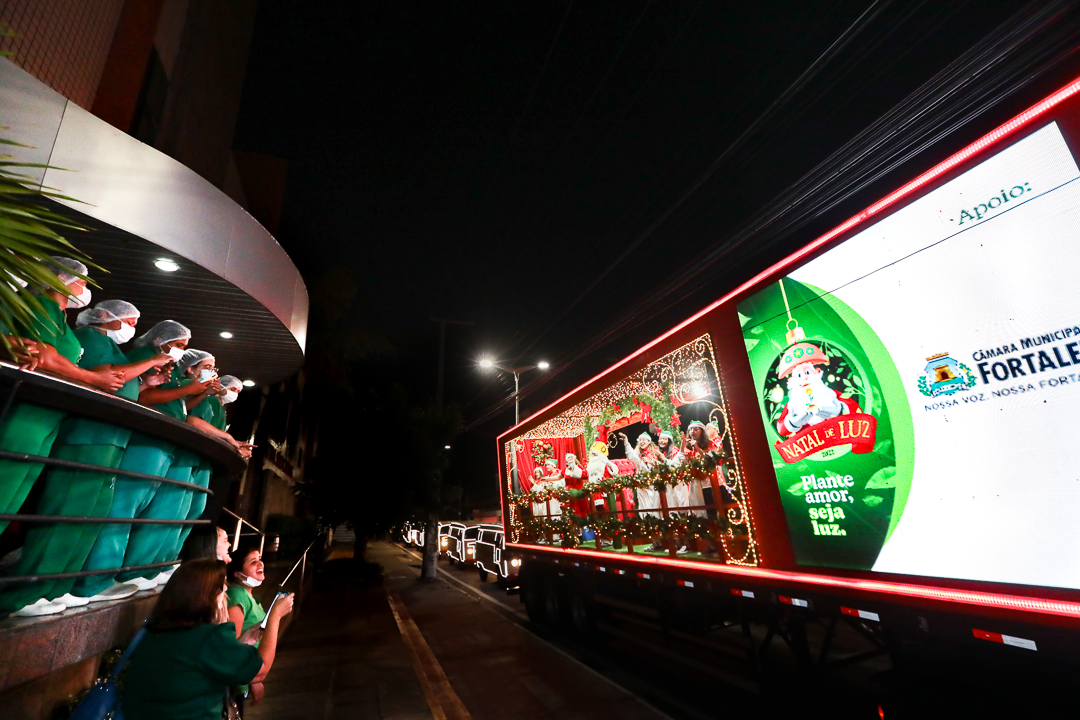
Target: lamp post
[516,372]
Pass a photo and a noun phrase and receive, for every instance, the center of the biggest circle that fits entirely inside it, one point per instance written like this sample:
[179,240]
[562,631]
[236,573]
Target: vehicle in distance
[492,559]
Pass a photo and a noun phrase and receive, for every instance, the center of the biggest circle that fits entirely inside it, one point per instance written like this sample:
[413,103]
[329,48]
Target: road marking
[439,693]
[518,621]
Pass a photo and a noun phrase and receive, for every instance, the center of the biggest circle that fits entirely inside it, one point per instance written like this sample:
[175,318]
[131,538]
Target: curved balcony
[141,206]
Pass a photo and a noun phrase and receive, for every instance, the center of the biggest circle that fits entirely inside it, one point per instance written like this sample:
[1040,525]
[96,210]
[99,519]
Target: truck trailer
[874,433]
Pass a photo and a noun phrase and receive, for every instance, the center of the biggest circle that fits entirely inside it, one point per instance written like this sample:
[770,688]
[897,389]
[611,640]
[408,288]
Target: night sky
[489,161]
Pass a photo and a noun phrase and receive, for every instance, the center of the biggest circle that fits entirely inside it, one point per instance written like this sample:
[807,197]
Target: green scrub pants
[150,542]
[200,476]
[130,497]
[60,547]
[27,429]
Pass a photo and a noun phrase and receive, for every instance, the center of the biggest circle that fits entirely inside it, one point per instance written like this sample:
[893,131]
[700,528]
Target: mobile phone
[279,595]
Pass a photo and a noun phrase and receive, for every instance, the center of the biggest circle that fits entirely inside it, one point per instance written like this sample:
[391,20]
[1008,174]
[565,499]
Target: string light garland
[653,394]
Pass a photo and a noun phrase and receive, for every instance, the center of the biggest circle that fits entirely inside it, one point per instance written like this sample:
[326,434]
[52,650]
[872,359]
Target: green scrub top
[237,595]
[54,330]
[210,410]
[175,408]
[98,349]
[183,674]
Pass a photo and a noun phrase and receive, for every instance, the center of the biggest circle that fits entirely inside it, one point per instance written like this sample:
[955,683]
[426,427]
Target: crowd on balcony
[159,370]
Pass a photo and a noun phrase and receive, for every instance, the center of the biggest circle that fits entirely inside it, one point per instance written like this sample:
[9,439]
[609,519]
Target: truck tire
[582,611]
[483,574]
[532,592]
[555,610]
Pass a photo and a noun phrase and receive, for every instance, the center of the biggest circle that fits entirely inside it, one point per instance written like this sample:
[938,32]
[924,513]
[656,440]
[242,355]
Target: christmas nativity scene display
[648,465]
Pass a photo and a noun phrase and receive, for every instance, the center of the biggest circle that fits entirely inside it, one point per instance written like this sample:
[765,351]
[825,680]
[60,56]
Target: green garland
[611,528]
[663,411]
[659,478]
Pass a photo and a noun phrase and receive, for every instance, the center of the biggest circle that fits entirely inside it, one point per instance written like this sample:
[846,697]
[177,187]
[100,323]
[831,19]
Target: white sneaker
[69,600]
[41,607]
[143,583]
[118,591]
[164,577]
[682,551]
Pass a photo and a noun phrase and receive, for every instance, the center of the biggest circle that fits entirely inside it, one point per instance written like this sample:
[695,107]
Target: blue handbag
[103,702]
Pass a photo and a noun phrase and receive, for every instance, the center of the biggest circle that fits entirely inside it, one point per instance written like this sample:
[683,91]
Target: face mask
[121,336]
[175,353]
[229,396]
[251,582]
[81,300]
[206,375]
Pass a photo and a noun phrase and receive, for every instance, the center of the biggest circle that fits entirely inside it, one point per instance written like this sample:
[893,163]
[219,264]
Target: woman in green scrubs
[61,548]
[207,415]
[189,656]
[144,454]
[32,429]
[147,543]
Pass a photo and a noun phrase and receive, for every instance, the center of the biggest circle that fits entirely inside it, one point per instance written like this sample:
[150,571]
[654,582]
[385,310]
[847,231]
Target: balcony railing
[74,398]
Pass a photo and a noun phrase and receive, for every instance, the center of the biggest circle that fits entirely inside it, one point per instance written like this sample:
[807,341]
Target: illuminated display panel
[646,465]
[1060,107]
[917,381]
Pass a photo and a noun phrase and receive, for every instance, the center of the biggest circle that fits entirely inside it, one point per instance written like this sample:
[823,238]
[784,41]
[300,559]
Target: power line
[1018,52]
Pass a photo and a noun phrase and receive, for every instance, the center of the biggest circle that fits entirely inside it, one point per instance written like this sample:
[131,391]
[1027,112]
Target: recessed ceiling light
[447,447]
[249,383]
[225,334]
[166,264]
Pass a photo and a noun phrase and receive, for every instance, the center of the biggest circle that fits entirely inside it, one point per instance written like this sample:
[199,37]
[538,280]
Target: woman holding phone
[246,571]
[183,667]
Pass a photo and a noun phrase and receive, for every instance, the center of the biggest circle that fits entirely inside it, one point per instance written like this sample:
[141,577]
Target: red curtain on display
[559,448]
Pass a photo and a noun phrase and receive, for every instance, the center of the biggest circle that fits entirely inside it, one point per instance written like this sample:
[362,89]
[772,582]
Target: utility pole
[429,565]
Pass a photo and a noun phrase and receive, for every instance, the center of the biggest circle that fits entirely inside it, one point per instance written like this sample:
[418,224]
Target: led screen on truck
[920,382]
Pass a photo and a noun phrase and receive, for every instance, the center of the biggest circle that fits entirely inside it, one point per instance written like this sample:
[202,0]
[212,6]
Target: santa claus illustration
[810,401]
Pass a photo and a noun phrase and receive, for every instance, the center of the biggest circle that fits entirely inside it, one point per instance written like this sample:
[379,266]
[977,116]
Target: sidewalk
[346,658]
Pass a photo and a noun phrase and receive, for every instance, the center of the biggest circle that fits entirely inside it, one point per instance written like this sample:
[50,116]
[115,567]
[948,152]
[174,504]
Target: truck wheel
[483,574]
[554,606]
[532,592]
[582,612]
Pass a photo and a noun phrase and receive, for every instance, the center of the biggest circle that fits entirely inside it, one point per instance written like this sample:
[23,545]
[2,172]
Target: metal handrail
[84,573]
[302,562]
[73,465]
[80,399]
[236,536]
[80,519]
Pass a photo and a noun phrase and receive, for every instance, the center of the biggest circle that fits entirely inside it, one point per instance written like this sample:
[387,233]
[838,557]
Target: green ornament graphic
[837,417]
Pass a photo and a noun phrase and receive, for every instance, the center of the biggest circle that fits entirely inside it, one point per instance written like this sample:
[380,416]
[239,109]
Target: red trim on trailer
[969,597]
[991,138]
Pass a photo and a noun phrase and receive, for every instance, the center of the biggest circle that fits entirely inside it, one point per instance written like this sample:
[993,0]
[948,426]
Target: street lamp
[516,372]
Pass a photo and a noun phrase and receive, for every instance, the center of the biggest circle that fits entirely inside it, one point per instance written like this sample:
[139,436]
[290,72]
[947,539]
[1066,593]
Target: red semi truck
[876,431]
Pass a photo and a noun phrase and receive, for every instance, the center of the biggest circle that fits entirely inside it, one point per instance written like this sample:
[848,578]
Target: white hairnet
[122,309]
[65,267]
[105,312]
[165,331]
[193,357]
[231,381]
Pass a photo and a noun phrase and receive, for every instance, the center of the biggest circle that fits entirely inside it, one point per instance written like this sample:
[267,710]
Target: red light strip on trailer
[968,597]
[991,138]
